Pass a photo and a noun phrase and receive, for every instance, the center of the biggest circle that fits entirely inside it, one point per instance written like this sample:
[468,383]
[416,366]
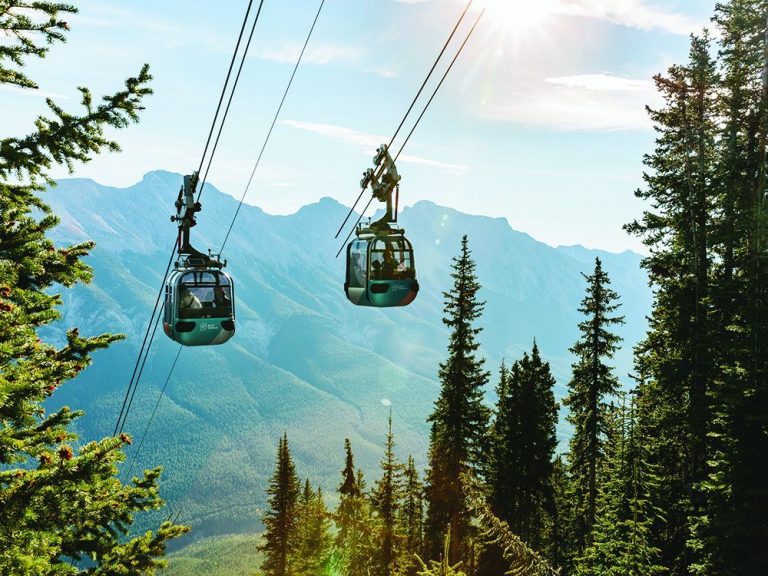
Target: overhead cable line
[154,410]
[145,345]
[413,102]
[229,102]
[434,93]
[274,121]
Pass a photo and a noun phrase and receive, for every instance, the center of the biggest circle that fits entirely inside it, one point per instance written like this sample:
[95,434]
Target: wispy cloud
[632,14]
[367,143]
[34,93]
[348,135]
[640,14]
[319,54]
[386,72]
[603,82]
[595,102]
[170,33]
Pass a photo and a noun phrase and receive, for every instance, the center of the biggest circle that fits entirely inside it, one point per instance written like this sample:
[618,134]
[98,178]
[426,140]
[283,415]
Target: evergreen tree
[356,546]
[411,520]
[519,557]
[311,543]
[560,537]
[280,519]
[442,567]
[620,543]
[591,383]
[523,441]
[731,525]
[459,420]
[678,356]
[58,505]
[385,498]
[705,360]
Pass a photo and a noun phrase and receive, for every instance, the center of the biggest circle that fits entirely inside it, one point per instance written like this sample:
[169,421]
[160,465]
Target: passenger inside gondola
[189,300]
[388,264]
[221,297]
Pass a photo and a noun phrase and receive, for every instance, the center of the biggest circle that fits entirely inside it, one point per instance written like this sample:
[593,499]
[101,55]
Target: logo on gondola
[205,327]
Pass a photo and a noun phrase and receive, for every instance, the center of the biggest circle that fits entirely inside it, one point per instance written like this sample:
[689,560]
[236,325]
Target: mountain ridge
[304,360]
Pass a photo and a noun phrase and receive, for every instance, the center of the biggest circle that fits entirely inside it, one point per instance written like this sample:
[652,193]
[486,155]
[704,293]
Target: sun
[518,17]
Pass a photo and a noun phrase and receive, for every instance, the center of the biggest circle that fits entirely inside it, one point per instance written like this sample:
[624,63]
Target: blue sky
[541,120]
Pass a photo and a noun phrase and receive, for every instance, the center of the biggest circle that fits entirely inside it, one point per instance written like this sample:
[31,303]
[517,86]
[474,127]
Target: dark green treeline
[668,478]
[703,369]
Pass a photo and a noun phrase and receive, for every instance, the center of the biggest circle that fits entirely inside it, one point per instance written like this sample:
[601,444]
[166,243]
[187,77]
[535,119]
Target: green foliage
[591,383]
[620,542]
[311,542]
[411,520]
[460,419]
[521,559]
[523,441]
[280,519]
[678,357]
[220,556]
[560,538]
[442,567]
[58,505]
[704,365]
[33,27]
[386,499]
[357,548]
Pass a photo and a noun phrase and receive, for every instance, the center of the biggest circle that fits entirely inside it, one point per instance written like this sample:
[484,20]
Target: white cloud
[170,33]
[368,143]
[602,82]
[348,135]
[597,102]
[319,54]
[386,72]
[409,159]
[632,14]
[34,92]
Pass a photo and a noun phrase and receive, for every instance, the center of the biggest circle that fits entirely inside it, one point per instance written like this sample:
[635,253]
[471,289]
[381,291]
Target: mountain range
[304,360]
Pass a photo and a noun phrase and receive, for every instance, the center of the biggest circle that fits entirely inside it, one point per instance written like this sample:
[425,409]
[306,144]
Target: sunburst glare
[518,18]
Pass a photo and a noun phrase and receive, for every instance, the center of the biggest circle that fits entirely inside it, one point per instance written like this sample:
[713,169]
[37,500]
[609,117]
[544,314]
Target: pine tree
[58,505]
[459,420]
[560,537]
[520,470]
[385,498]
[591,383]
[356,546]
[280,519]
[705,361]
[442,567]
[679,355]
[520,558]
[620,543]
[311,543]
[411,520]
[731,524]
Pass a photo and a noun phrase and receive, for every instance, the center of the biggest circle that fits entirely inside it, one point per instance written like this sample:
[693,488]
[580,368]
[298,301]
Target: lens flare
[518,17]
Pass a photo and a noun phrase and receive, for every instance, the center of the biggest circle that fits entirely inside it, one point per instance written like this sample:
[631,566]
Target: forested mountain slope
[304,360]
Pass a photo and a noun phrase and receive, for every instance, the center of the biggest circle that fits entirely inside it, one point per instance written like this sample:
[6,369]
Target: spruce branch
[524,561]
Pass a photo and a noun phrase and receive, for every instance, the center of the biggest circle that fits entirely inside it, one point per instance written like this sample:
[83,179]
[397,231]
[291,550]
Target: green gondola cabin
[381,271]
[199,307]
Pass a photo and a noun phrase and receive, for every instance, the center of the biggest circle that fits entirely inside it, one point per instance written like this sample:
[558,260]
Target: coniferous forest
[666,474]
